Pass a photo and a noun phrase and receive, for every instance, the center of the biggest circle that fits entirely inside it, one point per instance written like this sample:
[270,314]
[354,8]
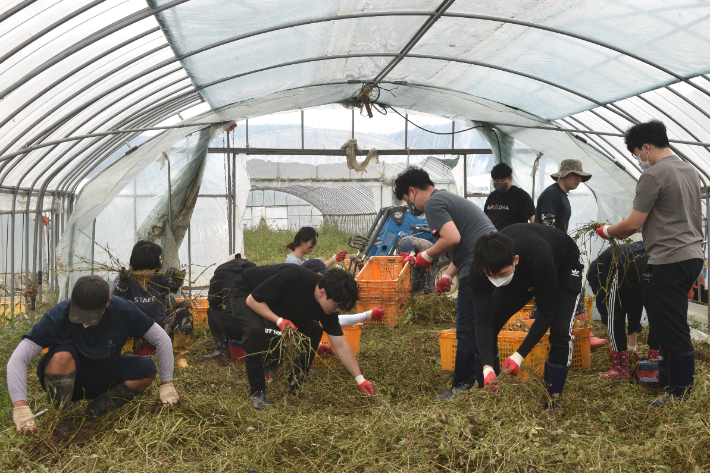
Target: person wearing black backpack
[219,303]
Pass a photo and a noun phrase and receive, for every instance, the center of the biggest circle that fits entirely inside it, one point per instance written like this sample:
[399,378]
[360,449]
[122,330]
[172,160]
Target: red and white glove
[340,256]
[283,323]
[423,260]
[443,285]
[325,350]
[512,364]
[603,231]
[364,385]
[376,314]
[489,376]
[407,258]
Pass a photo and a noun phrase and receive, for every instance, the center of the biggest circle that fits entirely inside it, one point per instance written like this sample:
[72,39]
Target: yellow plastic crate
[352,336]
[508,343]
[581,348]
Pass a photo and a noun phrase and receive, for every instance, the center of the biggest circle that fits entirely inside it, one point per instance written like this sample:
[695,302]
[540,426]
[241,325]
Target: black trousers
[254,333]
[214,321]
[665,295]
[624,302]
[507,303]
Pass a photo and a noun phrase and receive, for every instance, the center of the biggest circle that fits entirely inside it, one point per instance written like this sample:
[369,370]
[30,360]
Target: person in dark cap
[553,207]
[85,335]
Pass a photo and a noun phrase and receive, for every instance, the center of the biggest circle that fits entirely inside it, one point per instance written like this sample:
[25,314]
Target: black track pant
[665,295]
[215,318]
[507,303]
[624,301]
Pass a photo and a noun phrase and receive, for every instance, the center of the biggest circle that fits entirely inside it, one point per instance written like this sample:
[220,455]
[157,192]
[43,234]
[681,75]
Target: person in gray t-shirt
[667,210]
[456,224]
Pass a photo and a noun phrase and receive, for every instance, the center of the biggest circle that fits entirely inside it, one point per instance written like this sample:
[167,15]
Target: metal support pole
[228,190]
[233,208]
[135,209]
[247,132]
[406,130]
[189,260]
[40,249]
[170,198]
[27,246]
[13,216]
[93,244]
[352,124]
[453,135]
[465,178]
[303,139]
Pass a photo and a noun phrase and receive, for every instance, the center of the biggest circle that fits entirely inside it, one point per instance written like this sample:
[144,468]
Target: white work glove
[168,394]
[24,419]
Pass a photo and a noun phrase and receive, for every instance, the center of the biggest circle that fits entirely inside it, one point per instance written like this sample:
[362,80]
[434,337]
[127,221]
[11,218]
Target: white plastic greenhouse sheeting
[115,230]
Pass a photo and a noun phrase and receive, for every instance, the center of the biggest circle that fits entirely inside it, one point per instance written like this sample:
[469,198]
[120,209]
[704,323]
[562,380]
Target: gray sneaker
[454,392]
[259,401]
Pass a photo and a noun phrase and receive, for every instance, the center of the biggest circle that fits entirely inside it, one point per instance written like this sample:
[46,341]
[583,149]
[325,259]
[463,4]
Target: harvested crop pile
[430,308]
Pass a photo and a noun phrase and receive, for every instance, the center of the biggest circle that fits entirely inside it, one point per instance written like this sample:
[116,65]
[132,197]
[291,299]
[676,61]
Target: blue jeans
[465,318]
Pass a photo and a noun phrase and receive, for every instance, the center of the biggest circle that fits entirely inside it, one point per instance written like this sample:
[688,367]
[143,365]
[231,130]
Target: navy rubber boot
[681,377]
[555,377]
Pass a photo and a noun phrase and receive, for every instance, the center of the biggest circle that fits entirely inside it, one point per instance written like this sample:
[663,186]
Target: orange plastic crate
[384,282]
[581,349]
[199,310]
[352,336]
[384,275]
[395,307]
[508,343]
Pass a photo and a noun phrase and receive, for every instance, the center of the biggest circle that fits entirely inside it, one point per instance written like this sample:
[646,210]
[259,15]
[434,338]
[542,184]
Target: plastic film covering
[117,225]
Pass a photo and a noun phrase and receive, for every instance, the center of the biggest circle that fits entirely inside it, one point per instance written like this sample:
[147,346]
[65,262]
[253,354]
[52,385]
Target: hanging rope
[351,150]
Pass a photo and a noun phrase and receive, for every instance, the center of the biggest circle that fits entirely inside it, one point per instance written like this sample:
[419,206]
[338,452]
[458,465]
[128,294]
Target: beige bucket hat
[571,166]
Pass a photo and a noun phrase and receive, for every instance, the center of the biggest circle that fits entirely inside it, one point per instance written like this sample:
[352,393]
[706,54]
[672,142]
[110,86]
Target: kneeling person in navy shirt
[85,335]
[511,267]
[288,295]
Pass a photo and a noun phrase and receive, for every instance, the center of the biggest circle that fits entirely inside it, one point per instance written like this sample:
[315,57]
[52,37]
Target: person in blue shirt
[85,335]
[152,291]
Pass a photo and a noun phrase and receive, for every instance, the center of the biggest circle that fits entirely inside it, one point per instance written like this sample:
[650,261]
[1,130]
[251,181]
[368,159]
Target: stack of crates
[384,282]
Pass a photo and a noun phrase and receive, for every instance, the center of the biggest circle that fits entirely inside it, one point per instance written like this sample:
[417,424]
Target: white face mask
[498,282]
[644,165]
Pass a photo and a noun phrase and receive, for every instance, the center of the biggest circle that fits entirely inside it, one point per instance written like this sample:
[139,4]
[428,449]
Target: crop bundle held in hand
[585,234]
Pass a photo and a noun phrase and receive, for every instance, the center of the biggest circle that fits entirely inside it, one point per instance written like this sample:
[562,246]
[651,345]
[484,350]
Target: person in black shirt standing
[507,204]
[293,297]
[508,269]
[553,207]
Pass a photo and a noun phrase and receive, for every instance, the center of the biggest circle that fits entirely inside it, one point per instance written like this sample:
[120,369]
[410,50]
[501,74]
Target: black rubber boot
[116,397]
[257,381]
[464,375]
[555,377]
[681,373]
[221,349]
[60,388]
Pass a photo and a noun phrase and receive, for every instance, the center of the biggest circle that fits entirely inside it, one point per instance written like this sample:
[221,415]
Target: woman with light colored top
[303,244]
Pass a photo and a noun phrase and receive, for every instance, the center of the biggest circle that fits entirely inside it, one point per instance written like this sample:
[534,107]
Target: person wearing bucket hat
[553,207]
[84,336]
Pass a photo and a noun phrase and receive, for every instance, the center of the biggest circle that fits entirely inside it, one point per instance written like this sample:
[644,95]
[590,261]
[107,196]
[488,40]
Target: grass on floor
[606,426]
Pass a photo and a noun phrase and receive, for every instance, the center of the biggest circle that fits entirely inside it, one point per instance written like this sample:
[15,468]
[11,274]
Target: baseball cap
[88,300]
[315,265]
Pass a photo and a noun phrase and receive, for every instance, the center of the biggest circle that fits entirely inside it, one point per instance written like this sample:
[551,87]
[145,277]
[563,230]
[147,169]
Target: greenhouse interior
[191,123]
[164,121]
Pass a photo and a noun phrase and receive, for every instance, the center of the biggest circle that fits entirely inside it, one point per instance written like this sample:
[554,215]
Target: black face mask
[415,211]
